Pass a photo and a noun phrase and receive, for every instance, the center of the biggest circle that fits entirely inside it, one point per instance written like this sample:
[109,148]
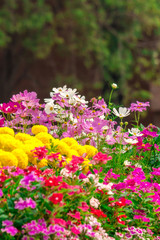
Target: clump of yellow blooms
[8,159]
[69,141]
[46,139]
[38,129]
[7,130]
[17,149]
[42,163]
[85,165]
[90,150]
[23,137]
[21,157]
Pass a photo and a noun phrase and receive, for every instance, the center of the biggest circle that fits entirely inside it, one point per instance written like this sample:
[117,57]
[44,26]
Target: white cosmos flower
[130,140]
[135,131]
[122,112]
[48,100]
[49,108]
[59,90]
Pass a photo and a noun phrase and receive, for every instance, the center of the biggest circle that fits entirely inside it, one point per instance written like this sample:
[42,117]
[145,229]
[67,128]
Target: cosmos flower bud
[114,86]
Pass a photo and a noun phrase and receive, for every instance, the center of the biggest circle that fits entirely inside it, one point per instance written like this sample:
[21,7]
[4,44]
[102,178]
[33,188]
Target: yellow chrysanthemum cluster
[16,149]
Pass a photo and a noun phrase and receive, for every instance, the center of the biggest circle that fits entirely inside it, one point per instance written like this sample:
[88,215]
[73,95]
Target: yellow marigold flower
[23,136]
[69,141]
[80,149]
[63,148]
[8,159]
[85,165]
[7,130]
[38,129]
[9,143]
[27,149]
[42,163]
[72,152]
[34,141]
[90,150]
[22,157]
[46,139]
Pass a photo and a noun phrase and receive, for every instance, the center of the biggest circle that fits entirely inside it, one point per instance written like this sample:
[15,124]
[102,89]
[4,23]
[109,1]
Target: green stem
[109,102]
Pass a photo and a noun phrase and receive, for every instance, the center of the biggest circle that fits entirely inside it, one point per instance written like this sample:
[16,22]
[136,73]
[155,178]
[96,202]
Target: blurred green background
[84,44]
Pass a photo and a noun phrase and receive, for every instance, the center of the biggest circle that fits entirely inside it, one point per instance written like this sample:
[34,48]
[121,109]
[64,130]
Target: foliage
[121,37]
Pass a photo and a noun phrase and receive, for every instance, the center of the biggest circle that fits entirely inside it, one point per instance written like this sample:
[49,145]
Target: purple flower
[7,223]
[22,204]
[11,230]
[1,192]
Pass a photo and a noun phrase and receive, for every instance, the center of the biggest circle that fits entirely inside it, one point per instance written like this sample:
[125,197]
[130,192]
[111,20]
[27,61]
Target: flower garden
[72,169]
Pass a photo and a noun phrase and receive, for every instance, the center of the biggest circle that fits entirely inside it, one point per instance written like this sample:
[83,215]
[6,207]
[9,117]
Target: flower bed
[70,169]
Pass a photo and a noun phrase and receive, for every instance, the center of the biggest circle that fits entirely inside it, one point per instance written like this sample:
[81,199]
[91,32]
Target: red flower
[53,156]
[120,220]
[53,181]
[123,202]
[56,198]
[98,212]
[59,221]
[40,152]
[75,215]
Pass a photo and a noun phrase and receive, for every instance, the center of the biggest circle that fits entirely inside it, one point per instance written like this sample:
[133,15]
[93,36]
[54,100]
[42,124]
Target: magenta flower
[2,119]
[11,230]
[156,171]
[40,152]
[139,106]
[142,218]
[156,147]
[101,158]
[7,223]
[147,133]
[143,146]
[1,192]
[10,107]
[22,204]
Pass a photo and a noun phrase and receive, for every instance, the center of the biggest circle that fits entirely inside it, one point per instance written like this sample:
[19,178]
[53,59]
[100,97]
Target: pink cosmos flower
[144,146]
[101,104]
[139,106]
[10,107]
[147,133]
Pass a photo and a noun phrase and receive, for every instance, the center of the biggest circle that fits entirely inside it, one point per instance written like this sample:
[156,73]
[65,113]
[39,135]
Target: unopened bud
[114,85]
[121,124]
